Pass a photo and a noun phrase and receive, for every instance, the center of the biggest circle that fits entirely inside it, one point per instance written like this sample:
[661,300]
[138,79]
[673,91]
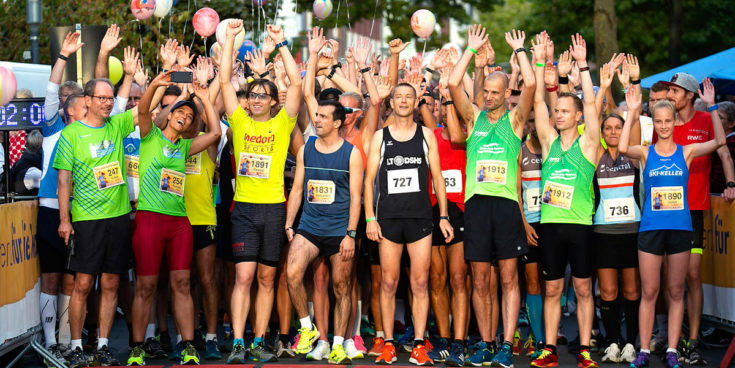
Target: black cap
[189,103]
[330,94]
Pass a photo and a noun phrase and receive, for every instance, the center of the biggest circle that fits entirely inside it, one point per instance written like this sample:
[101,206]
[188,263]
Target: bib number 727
[403,181]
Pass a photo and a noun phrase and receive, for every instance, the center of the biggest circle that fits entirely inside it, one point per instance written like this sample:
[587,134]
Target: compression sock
[610,311]
[48,318]
[63,313]
[630,307]
[535,309]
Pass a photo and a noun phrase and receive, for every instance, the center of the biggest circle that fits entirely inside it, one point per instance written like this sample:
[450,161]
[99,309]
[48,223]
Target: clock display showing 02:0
[22,114]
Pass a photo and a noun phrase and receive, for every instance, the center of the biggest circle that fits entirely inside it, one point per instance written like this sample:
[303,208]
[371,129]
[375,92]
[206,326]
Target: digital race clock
[21,114]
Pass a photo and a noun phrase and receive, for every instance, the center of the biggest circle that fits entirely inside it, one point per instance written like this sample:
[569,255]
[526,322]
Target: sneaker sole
[383,362]
[416,362]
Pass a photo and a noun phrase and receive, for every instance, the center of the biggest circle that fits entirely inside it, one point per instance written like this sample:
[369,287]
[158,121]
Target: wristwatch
[731,184]
[352,233]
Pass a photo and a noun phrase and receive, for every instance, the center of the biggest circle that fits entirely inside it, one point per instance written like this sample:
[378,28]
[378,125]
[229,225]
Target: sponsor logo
[130,148]
[534,160]
[400,161]
[101,149]
[492,148]
[169,153]
[260,139]
[605,168]
[564,174]
[671,170]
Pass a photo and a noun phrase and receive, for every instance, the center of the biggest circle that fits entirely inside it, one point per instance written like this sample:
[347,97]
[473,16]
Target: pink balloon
[205,21]
[423,22]
[142,9]
[8,85]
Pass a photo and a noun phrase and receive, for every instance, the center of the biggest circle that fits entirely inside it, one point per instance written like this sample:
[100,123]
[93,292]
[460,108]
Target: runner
[666,225]
[493,145]
[259,213]
[161,225]
[568,167]
[401,156]
[332,171]
[99,238]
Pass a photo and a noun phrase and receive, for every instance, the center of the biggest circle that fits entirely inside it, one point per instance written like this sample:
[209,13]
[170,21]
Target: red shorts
[156,233]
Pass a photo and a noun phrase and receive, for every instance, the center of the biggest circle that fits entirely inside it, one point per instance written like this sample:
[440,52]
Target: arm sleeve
[51,105]
[118,106]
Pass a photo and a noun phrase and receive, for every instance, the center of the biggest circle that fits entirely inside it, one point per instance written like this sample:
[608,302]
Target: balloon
[162,8]
[322,8]
[142,9]
[114,65]
[215,50]
[205,21]
[222,34]
[422,23]
[8,85]
[247,46]
[259,2]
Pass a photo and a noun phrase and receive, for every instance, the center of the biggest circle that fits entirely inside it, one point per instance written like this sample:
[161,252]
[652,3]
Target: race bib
[403,181]
[131,165]
[108,176]
[172,182]
[619,209]
[194,164]
[557,195]
[667,198]
[491,171]
[320,191]
[254,166]
[452,181]
[533,199]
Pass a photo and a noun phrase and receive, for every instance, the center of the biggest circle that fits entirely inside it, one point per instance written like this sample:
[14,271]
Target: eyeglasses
[104,98]
[258,96]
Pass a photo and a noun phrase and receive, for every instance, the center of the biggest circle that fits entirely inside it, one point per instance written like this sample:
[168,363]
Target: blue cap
[189,103]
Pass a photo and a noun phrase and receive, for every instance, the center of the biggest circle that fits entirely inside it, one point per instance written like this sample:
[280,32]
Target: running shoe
[258,353]
[481,356]
[539,349]
[306,339]
[165,339]
[338,355]
[530,345]
[672,360]
[377,348]
[612,354]
[57,353]
[419,356]
[366,327]
[189,355]
[237,355]
[504,357]
[659,343]
[641,361]
[387,355]
[561,337]
[77,358]
[176,355]
[351,350]
[546,359]
[523,318]
[682,349]
[153,349]
[628,354]
[137,356]
[695,355]
[295,342]
[199,342]
[427,345]
[517,343]
[283,349]
[359,344]
[405,342]
[105,357]
[584,360]
[320,352]
[211,352]
[456,356]
[441,351]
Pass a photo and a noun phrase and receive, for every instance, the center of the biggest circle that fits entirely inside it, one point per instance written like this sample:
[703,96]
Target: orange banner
[19,267]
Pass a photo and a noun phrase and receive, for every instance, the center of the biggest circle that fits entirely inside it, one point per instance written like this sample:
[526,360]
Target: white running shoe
[351,350]
[628,355]
[320,352]
[612,354]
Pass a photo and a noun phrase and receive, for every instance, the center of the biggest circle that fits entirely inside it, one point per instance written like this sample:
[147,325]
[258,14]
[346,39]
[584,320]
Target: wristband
[730,184]
[637,81]
[491,65]
[289,228]
[540,65]
[444,218]
[515,92]
[250,79]
[365,70]
[563,80]
[422,102]
[446,103]
[367,220]
[471,49]
[552,89]
[62,57]
[263,74]
[331,74]
[281,44]
[432,71]
[367,95]
[584,69]
[713,108]
[520,49]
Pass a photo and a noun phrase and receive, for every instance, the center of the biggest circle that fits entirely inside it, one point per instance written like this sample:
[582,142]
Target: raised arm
[145,121]
[605,81]
[590,141]
[692,151]
[454,127]
[70,46]
[229,95]
[316,42]
[485,56]
[544,128]
[633,100]
[109,42]
[293,96]
[213,133]
[130,65]
[515,40]
[476,38]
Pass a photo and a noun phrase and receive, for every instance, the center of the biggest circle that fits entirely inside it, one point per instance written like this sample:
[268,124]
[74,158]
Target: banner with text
[718,260]
[19,269]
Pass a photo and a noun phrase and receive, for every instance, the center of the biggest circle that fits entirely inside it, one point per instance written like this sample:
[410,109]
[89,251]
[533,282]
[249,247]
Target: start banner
[718,260]
[20,283]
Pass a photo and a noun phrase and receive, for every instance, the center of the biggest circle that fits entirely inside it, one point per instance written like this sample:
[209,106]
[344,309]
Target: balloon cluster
[8,85]
[144,9]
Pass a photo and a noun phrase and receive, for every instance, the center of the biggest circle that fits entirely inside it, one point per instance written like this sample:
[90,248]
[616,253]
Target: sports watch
[352,233]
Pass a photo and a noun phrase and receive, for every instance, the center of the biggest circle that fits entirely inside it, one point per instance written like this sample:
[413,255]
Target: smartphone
[182,77]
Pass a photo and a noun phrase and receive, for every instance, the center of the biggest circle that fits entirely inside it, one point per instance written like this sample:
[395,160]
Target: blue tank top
[616,195]
[326,190]
[49,177]
[665,179]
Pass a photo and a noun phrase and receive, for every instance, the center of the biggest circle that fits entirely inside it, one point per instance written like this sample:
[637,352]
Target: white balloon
[162,8]
[322,8]
[221,34]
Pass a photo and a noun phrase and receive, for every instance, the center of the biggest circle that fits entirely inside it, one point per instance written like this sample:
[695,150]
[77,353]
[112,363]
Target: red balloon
[205,21]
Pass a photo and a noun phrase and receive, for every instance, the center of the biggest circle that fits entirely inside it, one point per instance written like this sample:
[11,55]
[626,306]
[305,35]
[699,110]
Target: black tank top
[403,178]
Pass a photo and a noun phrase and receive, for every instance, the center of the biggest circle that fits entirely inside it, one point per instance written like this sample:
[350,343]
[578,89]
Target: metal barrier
[33,340]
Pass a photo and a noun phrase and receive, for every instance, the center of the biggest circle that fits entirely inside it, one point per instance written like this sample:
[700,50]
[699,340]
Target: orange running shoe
[388,355]
[546,359]
[584,360]
[377,348]
[427,345]
[419,356]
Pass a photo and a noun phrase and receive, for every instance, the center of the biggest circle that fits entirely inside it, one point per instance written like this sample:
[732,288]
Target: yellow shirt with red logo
[260,156]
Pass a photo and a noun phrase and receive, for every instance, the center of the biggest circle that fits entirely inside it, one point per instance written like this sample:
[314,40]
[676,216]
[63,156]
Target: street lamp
[33,18]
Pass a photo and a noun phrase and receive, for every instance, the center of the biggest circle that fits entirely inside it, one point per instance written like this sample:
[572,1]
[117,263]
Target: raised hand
[71,44]
[485,55]
[549,49]
[633,100]
[624,76]
[476,36]
[201,90]
[515,39]
[415,80]
[574,77]
[550,76]
[268,46]
[615,61]
[162,80]
[234,27]
[375,62]
[256,62]
[361,52]
[514,67]
[316,40]
[130,61]
[415,63]
[168,53]
[578,48]
[444,84]
[275,33]
[564,64]
[708,95]
[439,60]
[140,77]
[207,62]
[452,56]
[606,76]
[384,87]
[202,70]
[182,56]
[634,69]
[538,47]
[385,66]
[349,56]
[334,46]
[397,46]
[111,40]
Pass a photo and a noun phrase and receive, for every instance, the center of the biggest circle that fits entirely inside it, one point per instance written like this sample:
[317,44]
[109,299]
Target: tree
[606,29]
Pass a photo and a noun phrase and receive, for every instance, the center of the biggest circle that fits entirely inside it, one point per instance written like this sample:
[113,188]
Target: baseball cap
[186,103]
[683,80]
[330,94]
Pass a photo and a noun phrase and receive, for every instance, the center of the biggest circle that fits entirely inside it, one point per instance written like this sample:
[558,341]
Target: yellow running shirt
[198,192]
[260,156]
